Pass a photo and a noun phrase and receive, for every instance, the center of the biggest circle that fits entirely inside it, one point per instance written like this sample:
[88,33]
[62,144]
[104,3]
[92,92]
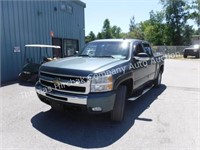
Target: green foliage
[99,35]
[123,35]
[187,35]
[195,14]
[135,34]
[176,18]
[106,31]
[135,31]
[154,29]
[115,31]
[132,25]
[157,17]
[90,37]
[197,32]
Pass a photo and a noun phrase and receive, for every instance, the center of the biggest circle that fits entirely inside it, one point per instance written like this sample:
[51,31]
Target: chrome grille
[65,83]
[189,50]
[63,77]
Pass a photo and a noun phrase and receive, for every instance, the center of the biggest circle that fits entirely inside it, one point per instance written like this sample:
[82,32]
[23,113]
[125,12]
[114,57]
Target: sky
[119,12]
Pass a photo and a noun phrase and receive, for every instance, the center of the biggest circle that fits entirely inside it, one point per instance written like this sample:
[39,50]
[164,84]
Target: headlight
[101,84]
[196,46]
[195,50]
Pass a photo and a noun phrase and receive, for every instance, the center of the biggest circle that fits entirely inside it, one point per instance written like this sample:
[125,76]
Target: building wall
[30,22]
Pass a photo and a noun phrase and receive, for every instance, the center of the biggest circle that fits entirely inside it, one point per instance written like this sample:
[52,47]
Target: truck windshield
[195,46]
[118,50]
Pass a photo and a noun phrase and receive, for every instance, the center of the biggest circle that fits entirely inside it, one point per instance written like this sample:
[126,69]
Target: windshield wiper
[105,56]
[96,56]
[84,55]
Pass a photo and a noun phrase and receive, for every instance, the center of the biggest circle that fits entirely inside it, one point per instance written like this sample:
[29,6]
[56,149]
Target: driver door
[151,68]
[140,73]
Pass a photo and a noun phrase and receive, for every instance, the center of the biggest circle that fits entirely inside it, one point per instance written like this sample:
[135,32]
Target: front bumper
[92,101]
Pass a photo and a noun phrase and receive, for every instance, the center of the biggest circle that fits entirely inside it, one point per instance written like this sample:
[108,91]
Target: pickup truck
[101,77]
[193,50]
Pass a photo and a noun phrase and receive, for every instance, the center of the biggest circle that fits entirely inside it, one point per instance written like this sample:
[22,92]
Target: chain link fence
[170,51]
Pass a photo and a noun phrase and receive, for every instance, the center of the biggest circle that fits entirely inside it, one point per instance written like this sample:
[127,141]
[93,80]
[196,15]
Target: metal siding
[22,23]
[2,53]
[22,33]
[16,42]
[6,45]
[54,20]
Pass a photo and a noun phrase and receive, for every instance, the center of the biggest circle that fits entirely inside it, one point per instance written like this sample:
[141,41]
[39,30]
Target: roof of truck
[118,40]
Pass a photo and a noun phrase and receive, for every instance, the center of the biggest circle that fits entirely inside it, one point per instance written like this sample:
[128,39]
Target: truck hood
[87,64]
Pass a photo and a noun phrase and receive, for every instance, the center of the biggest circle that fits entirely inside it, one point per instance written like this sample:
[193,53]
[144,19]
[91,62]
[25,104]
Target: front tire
[158,80]
[185,56]
[117,113]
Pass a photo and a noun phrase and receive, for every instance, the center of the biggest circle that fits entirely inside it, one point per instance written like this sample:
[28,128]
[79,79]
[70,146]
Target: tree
[132,24]
[99,35]
[106,31]
[187,35]
[195,15]
[197,32]
[136,34]
[157,17]
[90,37]
[176,19]
[154,29]
[115,31]
[134,30]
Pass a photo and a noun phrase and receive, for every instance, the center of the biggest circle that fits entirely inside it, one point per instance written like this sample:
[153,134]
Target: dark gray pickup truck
[101,77]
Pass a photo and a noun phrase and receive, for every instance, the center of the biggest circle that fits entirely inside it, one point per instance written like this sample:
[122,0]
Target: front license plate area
[57,106]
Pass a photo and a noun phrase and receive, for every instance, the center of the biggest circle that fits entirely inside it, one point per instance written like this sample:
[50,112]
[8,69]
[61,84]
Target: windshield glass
[118,50]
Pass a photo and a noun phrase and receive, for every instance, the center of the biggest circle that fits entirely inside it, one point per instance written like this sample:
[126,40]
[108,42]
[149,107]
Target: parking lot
[164,118]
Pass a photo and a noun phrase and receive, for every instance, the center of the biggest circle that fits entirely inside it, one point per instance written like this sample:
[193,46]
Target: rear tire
[117,113]
[158,80]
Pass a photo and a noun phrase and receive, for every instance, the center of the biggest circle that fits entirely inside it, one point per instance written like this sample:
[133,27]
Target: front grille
[62,77]
[63,87]
[189,50]
[67,83]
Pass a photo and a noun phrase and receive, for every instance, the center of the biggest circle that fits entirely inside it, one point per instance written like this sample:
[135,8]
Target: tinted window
[138,49]
[147,49]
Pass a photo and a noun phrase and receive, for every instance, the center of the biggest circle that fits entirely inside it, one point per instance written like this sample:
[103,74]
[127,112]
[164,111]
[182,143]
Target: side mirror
[142,55]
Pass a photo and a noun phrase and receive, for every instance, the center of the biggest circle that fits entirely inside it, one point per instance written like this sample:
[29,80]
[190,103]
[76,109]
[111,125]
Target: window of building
[70,46]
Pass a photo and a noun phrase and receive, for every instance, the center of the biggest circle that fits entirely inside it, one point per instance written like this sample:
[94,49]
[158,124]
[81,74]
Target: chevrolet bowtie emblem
[57,82]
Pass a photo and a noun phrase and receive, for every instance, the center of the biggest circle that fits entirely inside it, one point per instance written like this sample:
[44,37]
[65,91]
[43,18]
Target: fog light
[96,109]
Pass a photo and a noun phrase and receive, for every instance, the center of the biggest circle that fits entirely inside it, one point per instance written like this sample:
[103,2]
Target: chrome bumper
[94,102]
[60,97]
